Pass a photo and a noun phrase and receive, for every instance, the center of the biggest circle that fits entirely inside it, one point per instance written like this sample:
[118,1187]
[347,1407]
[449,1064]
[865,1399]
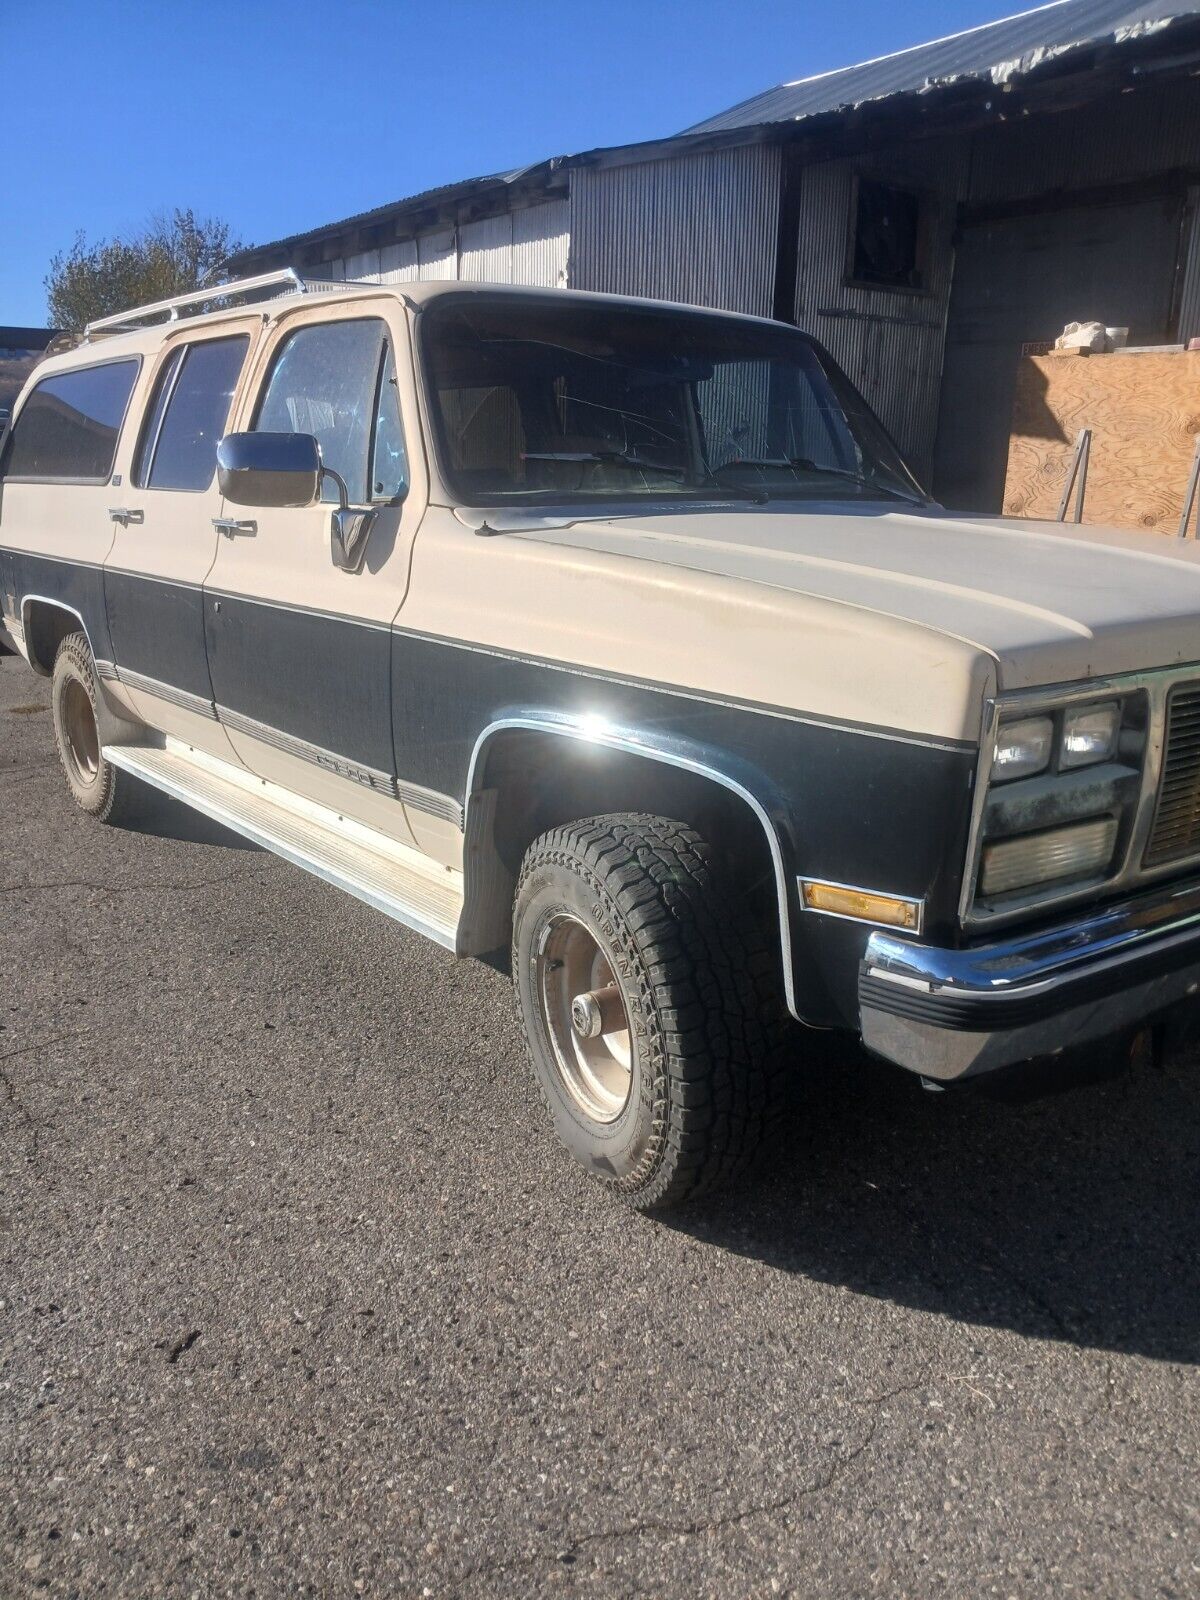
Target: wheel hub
[586,1018]
[599,1012]
[80,731]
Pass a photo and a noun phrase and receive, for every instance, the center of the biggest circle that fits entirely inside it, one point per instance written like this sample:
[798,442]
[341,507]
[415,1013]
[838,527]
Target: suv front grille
[1176,830]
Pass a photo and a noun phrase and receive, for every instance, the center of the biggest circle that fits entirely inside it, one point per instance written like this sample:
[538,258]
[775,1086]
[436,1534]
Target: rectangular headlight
[1089,734]
[1082,850]
[1022,748]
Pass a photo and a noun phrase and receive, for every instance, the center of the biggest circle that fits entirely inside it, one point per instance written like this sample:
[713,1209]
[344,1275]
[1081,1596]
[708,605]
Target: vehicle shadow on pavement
[166,818]
[1058,1200]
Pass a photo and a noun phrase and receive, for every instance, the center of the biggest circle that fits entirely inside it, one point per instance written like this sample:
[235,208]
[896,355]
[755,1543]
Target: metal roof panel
[996,51]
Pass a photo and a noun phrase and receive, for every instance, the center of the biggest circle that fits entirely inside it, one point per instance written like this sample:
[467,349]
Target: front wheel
[649,1001]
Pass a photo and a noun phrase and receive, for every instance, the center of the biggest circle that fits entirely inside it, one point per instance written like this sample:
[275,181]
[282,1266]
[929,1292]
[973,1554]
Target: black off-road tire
[712,1043]
[97,787]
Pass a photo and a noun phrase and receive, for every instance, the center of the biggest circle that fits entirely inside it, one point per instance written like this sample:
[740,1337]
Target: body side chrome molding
[112,571]
[42,555]
[410,794]
[289,744]
[369,623]
[444,806]
[627,740]
[183,698]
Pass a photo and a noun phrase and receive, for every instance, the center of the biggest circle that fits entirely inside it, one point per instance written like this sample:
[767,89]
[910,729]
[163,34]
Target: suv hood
[1050,602]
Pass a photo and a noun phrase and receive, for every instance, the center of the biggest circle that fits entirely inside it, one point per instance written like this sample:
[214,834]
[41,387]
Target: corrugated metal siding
[890,343]
[437,256]
[1189,295]
[398,262]
[541,237]
[528,246]
[485,250]
[363,265]
[700,228]
[1124,137]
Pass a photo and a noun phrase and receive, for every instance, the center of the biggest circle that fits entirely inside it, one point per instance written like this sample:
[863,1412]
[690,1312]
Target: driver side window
[336,380]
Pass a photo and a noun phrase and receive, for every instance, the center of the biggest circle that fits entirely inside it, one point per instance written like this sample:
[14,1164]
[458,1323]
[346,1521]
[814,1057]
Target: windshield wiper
[626,458]
[623,458]
[804,464]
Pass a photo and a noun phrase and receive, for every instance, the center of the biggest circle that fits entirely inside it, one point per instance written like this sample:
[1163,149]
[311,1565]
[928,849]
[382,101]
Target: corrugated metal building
[924,214]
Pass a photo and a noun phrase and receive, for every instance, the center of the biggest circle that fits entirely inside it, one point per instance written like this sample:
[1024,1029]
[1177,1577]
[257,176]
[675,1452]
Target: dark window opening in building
[886,237]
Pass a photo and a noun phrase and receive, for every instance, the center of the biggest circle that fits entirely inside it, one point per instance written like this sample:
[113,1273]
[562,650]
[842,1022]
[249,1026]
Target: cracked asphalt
[300,1298]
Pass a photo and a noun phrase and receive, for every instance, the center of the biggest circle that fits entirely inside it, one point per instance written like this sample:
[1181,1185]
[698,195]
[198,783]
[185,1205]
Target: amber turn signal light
[861,905]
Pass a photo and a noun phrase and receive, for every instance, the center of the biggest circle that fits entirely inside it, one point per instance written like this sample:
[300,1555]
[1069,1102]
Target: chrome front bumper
[953,1013]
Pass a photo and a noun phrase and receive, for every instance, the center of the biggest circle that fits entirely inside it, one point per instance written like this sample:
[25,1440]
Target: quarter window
[389,467]
[67,429]
[189,413]
[337,381]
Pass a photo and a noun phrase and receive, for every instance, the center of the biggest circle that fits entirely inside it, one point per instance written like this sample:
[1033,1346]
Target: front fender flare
[717,766]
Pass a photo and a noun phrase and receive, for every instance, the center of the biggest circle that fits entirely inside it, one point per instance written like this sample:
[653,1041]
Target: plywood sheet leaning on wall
[1144,413]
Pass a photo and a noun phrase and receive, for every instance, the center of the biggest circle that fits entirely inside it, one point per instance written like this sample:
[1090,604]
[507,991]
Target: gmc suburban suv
[617,637]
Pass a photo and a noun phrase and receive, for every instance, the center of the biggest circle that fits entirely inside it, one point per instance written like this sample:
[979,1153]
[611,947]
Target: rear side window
[67,429]
[188,415]
[336,380]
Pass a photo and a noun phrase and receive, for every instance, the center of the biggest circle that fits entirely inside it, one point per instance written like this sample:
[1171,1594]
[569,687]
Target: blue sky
[278,115]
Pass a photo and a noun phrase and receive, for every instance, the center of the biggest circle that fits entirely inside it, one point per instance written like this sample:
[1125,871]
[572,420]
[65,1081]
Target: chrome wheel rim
[80,731]
[586,1018]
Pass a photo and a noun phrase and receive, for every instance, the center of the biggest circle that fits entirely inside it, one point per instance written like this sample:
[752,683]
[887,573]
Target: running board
[365,863]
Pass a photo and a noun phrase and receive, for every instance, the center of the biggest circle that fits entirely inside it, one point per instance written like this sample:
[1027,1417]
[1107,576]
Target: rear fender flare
[28,602]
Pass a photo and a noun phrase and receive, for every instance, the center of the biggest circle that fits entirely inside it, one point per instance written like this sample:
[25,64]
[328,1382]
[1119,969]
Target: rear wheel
[98,788]
[650,1004]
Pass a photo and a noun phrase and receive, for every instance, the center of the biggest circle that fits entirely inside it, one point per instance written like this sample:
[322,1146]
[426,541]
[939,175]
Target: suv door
[164,538]
[299,650]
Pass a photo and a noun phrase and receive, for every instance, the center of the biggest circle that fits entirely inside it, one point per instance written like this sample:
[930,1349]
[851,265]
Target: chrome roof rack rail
[136,316]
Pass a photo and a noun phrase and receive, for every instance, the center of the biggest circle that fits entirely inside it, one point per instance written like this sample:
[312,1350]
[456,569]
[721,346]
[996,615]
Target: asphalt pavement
[298,1295]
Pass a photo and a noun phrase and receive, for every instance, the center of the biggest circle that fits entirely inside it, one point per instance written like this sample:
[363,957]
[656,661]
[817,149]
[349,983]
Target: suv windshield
[538,400]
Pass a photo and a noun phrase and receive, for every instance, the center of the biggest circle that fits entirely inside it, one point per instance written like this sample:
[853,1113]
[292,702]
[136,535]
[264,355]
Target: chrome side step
[393,878]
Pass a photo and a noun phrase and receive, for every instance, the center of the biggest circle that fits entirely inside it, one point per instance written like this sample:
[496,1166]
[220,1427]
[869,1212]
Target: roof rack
[124,321]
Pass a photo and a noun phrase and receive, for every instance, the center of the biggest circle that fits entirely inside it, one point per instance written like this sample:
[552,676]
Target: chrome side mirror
[269,469]
[285,469]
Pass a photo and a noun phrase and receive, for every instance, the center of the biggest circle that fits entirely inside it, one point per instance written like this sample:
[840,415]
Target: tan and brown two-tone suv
[617,635]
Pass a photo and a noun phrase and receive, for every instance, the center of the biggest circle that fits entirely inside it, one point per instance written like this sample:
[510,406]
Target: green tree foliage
[171,255]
